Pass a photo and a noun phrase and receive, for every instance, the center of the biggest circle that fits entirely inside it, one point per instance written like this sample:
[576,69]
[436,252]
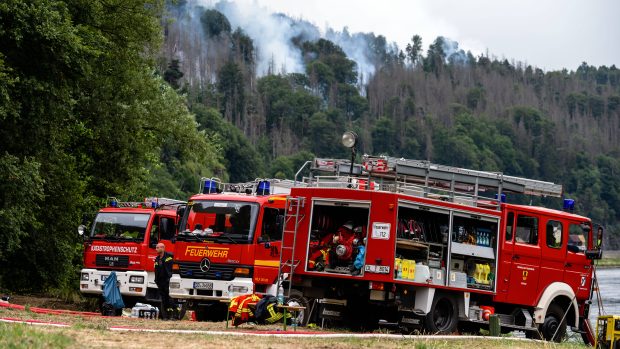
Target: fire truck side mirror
[597,251]
[181,211]
[81,230]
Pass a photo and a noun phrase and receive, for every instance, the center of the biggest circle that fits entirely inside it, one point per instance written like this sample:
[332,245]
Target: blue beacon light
[263,188]
[210,187]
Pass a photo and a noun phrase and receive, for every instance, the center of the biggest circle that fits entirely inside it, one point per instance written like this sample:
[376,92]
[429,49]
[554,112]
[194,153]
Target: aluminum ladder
[288,263]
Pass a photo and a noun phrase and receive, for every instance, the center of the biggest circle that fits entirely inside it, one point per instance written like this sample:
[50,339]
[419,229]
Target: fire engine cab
[431,247]
[122,238]
[228,244]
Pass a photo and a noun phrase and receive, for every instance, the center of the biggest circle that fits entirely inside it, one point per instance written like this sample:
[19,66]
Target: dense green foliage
[83,116]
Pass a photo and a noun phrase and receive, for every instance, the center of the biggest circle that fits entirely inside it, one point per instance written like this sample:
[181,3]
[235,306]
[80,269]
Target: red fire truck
[433,247]
[228,244]
[122,238]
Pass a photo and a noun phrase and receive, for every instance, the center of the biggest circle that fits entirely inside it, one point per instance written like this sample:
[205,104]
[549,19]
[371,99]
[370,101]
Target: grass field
[92,332]
[609,262]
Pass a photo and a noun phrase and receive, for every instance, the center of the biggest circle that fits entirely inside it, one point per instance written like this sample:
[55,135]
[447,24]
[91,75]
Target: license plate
[379,269]
[203,285]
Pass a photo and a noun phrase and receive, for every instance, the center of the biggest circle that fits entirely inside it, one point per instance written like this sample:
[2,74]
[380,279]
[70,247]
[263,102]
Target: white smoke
[272,35]
[356,48]
[453,54]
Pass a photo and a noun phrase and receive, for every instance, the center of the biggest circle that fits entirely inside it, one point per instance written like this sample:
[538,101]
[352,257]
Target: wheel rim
[443,315]
[550,327]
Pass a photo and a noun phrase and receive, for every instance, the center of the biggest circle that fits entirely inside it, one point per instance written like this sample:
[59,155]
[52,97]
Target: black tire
[553,322]
[443,316]
[201,313]
[296,297]
[212,312]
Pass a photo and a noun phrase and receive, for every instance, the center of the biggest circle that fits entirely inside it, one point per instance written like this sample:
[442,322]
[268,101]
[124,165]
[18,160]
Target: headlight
[136,279]
[84,277]
[237,289]
[175,285]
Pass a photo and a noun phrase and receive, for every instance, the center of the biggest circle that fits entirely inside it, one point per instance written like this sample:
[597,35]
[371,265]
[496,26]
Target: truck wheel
[296,298]
[211,312]
[201,313]
[553,322]
[443,317]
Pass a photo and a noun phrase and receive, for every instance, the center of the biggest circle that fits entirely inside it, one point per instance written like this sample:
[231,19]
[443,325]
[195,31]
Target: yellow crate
[607,334]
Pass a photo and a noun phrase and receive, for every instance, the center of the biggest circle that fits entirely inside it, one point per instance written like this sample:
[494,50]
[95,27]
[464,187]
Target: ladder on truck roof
[419,177]
[288,262]
[450,175]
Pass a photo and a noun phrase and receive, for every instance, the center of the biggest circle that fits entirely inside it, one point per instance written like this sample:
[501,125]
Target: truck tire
[554,322]
[212,312]
[297,298]
[443,316]
[201,313]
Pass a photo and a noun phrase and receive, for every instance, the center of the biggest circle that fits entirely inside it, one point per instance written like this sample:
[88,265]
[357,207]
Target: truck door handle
[568,265]
[515,257]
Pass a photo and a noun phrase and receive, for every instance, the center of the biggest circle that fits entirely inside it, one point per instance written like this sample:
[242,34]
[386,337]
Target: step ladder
[288,262]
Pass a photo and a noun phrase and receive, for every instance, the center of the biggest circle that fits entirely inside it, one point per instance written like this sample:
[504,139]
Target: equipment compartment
[337,242]
[473,250]
[421,243]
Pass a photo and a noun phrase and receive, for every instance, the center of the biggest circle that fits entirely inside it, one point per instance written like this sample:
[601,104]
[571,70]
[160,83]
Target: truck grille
[107,260]
[215,272]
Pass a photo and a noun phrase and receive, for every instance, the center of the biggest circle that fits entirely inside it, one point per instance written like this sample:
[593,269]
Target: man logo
[524,275]
[205,264]
[583,281]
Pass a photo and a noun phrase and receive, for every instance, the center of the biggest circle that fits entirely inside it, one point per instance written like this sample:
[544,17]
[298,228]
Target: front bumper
[183,288]
[94,284]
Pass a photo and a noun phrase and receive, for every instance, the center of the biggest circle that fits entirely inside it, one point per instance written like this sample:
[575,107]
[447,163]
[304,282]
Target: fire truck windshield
[120,226]
[220,221]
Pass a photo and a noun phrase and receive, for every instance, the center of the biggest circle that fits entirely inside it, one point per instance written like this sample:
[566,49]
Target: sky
[551,35]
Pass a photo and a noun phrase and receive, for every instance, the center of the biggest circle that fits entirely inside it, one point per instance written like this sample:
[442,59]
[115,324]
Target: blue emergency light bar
[263,188]
[569,205]
[503,197]
[114,203]
[210,187]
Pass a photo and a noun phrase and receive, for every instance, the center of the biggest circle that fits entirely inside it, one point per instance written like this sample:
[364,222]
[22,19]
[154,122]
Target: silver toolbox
[438,276]
[457,279]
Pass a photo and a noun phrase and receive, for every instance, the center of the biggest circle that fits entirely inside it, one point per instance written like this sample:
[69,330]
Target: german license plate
[203,285]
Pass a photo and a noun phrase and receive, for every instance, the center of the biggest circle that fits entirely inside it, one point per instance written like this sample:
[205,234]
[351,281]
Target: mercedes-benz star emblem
[205,264]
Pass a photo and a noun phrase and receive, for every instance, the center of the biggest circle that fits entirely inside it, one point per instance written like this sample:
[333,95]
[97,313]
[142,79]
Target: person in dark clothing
[163,273]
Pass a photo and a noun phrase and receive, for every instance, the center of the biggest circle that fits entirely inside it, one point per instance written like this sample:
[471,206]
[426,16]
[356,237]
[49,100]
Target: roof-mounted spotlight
[349,139]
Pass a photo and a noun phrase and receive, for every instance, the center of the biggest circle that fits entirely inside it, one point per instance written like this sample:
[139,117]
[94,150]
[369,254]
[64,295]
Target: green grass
[14,336]
[609,262]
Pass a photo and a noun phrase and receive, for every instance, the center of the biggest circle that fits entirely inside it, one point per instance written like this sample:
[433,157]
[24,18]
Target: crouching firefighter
[163,273]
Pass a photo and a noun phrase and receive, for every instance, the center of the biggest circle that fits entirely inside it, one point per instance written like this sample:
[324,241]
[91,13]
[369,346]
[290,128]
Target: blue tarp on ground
[111,293]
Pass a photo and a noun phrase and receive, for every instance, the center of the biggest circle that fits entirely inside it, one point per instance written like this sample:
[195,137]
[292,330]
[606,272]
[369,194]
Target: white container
[422,273]
[135,311]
